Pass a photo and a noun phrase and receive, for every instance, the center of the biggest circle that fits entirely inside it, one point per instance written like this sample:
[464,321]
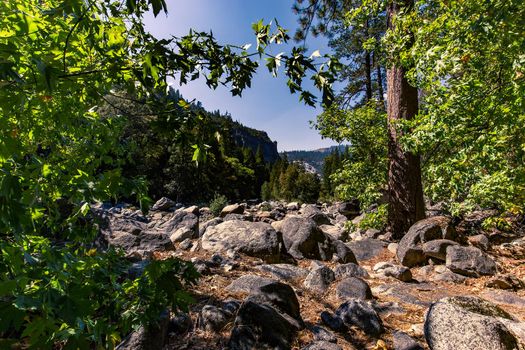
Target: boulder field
[290,276]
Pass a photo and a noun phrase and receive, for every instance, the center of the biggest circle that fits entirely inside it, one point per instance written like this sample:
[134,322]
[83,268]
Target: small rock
[505,282]
[401,273]
[343,254]
[163,204]
[362,315]
[353,288]
[479,241]
[180,324]
[319,279]
[322,345]
[181,234]
[403,341]
[367,249]
[211,318]
[193,210]
[232,209]
[350,270]
[392,247]
[186,244]
[285,272]
[323,334]
[469,261]
[437,248]
[333,322]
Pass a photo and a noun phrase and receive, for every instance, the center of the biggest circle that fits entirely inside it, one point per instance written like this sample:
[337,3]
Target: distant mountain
[314,157]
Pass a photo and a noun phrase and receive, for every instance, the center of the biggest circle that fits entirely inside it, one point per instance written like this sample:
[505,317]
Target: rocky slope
[281,276]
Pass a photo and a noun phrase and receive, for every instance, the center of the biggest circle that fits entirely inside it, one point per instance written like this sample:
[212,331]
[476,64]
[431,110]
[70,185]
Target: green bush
[218,202]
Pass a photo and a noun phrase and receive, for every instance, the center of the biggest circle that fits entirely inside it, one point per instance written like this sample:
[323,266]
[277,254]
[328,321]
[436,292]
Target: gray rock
[284,272]
[178,220]
[409,252]
[333,322]
[403,341]
[260,326]
[212,318]
[323,334]
[362,315]
[312,212]
[303,239]
[504,297]
[322,345]
[143,242]
[348,209]
[507,281]
[350,270]
[257,239]
[152,337]
[282,298]
[367,249]
[343,254]
[319,279]
[233,217]
[387,269]
[437,248]
[448,276]
[336,232]
[465,323]
[392,247]
[186,244]
[248,284]
[193,210]
[479,241]
[232,209]
[182,234]
[292,206]
[469,261]
[372,233]
[163,204]
[353,288]
[209,223]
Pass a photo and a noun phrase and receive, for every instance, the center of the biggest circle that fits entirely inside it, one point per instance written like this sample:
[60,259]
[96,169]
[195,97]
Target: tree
[406,204]
[405,189]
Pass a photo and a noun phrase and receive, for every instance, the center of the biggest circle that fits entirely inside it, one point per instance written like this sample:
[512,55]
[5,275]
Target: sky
[268,105]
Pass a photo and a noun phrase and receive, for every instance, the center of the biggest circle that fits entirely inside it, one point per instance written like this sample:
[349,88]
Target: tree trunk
[368,68]
[406,205]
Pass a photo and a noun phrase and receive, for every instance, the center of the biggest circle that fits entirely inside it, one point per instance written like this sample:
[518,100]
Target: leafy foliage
[58,60]
[218,203]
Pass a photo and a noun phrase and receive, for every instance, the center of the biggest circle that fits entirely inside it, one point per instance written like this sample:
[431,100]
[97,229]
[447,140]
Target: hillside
[313,157]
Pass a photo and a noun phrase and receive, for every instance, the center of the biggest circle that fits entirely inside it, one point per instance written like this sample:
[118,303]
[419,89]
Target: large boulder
[303,239]
[409,252]
[257,239]
[470,261]
[144,243]
[465,323]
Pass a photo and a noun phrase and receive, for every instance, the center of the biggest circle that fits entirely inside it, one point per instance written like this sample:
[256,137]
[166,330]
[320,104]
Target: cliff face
[253,139]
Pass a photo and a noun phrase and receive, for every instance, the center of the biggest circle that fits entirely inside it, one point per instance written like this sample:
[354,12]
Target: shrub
[218,202]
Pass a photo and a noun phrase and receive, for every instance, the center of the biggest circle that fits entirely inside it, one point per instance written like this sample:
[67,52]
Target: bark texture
[406,205]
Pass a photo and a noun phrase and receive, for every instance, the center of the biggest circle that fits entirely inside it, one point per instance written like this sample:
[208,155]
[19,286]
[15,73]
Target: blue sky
[268,105]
